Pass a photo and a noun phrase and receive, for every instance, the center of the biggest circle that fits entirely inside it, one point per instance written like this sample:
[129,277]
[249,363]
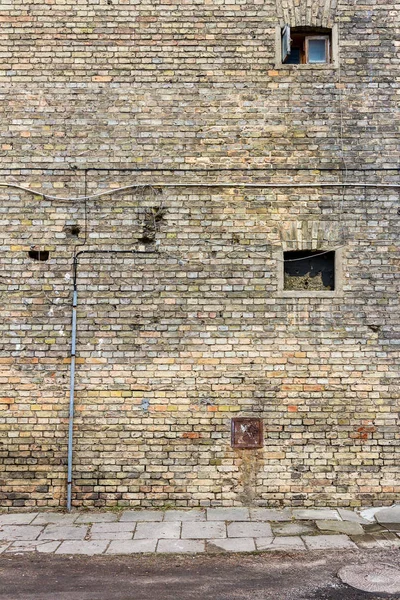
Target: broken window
[306,45]
[307,270]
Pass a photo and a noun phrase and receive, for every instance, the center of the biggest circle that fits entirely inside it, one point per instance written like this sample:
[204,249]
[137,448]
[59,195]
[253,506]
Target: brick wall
[171,346]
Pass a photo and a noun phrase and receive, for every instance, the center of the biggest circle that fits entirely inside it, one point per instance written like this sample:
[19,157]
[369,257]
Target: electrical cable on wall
[155,186]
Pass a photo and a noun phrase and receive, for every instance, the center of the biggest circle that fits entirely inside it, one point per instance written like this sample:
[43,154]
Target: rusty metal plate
[247,433]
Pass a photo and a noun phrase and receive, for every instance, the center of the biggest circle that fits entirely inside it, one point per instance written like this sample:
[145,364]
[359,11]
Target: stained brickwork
[171,346]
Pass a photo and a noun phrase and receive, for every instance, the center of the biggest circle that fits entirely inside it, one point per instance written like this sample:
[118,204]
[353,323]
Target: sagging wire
[157,186]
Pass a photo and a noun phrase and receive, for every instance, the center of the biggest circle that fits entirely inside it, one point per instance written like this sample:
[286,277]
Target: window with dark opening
[39,254]
[306,270]
[306,45]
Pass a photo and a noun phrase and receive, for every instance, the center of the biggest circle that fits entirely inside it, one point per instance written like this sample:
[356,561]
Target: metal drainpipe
[72,387]
[73,357]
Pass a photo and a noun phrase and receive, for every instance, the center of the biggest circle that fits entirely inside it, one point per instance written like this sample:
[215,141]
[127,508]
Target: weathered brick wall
[172,346]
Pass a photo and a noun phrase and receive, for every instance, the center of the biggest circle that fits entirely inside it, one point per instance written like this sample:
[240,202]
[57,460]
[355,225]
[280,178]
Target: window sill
[306,294]
[308,67]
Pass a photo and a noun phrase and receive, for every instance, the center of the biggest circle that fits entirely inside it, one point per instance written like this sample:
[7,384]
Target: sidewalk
[212,530]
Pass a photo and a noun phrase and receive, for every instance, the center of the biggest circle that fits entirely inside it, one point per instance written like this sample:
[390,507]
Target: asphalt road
[278,576]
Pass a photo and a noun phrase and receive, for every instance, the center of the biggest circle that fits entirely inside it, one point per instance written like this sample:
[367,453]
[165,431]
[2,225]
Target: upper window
[309,273]
[306,270]
[306,46]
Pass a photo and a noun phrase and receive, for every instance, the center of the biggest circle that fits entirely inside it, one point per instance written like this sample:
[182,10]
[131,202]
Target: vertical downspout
[72,389]
[73,356]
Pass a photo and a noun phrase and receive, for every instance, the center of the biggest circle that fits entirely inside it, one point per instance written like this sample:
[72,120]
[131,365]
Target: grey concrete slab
[287,543]
[232,545]
[263,543]
[228,514]
[249,529]
[157,531]
[294,529]
[328,542]
[294,543]
[390,514]
[93,517]
[17,518]
[312,514]
[89,548]
[4,546]
[181,546]
[34,546]
[392,527]
[20,532]
[369,513]
[142,515]
[269,514]
[61,532]
[128,526]
[185,515]
[111,535]
[346,527]
[352,516]
[208,529]
[374,528]
[131,546]
[48,518]
[377,540]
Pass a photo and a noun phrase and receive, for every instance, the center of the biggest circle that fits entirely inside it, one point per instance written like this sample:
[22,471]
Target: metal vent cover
[247,433]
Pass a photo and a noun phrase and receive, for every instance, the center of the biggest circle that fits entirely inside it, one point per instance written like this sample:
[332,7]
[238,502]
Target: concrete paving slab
[293,529]
[232,545]
[128,526]
[131,546]
[4,546]
[48,518]
[377,540]
[142,515]
[34,546]
[388,515]
[374,528]
[263,543]
[392,527]
[111,535]
[228,514]
[328,542]
[312,514]
[20,532]
[181,546]
[352,516]
[77,547]
[346,527]
[249,530]
[157,531]
[55,532]
[17,518]
[269,514]
[208,529]
[185,515]
[287,543]
[369,513]
[96,518]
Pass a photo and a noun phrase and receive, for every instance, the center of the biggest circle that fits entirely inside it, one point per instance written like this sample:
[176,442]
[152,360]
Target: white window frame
[327,49]
[334,51]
